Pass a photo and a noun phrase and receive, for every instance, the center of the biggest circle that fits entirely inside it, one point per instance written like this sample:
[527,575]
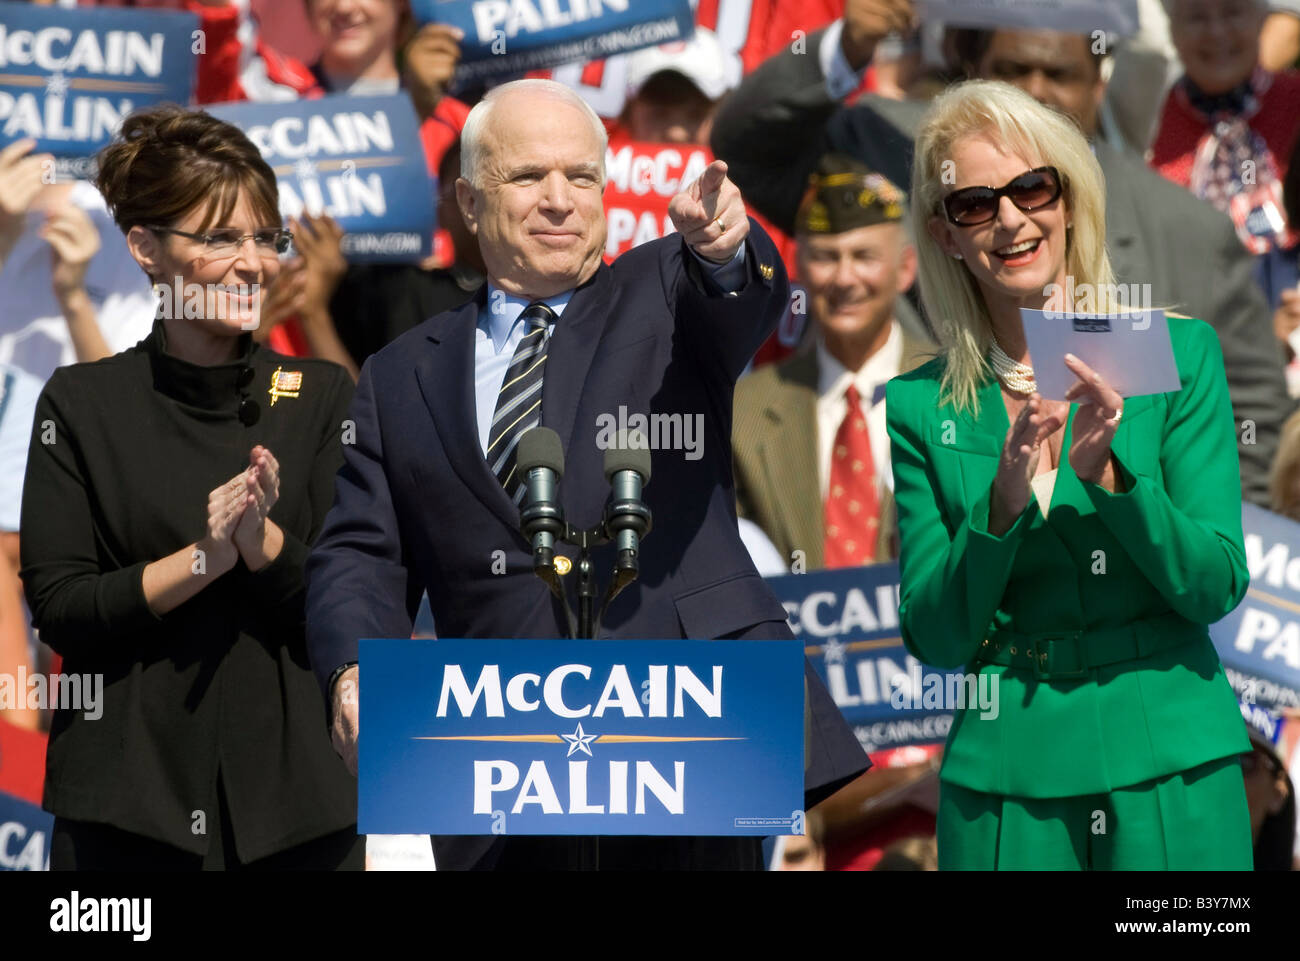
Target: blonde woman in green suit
[1075,551]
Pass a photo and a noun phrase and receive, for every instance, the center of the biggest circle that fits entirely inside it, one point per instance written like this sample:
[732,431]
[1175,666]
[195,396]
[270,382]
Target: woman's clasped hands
[238,526]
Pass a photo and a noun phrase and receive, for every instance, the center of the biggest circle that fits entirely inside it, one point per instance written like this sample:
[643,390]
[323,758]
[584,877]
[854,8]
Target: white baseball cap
[701,60]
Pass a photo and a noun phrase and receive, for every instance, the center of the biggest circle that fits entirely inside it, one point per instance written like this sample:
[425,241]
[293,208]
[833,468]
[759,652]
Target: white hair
[471,136]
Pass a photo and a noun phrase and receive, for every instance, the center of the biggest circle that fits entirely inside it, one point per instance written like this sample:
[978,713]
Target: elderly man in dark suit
[787,114]
[428,494]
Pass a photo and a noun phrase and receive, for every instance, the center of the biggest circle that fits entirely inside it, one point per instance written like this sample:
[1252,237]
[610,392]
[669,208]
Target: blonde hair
[1043,137]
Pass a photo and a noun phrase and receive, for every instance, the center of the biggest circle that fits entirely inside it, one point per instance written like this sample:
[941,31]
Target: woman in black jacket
[172,492]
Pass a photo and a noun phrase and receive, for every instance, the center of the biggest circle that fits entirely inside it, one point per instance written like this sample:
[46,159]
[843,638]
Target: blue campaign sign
[69,77]
[581,737]
[24,835]
[848,620]
[1259,642]
[506,37]
[358,159]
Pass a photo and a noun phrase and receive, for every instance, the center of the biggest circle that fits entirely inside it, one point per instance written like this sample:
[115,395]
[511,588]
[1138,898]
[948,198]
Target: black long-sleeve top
[123,456]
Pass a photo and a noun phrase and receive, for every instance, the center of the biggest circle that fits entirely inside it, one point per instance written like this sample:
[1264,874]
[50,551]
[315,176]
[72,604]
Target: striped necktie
[519,403]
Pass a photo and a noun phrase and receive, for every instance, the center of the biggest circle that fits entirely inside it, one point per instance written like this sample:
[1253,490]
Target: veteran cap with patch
[844,194]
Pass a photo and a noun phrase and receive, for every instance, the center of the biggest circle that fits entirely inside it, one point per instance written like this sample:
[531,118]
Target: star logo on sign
[579,741]
[304,169]
[56,85]
[834,652]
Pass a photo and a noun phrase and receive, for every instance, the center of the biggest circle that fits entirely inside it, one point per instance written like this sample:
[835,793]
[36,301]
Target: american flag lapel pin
[285,383]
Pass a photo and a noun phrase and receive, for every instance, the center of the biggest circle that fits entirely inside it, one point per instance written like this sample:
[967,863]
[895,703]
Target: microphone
[540,456]
[627,518]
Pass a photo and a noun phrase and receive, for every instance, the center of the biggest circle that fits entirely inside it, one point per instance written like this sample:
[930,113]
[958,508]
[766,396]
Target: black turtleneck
[124,453]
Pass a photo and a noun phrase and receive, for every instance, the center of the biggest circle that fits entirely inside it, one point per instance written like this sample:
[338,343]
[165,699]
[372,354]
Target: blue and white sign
[358,159]
[25,832]
[848,622]
[581,737]
[508,37]
[69,77]
[1259,642]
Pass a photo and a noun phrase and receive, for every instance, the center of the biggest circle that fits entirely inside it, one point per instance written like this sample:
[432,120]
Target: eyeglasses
[226,243]
[1033,189]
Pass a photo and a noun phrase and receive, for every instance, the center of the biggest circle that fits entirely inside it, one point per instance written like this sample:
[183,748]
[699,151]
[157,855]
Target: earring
[958,257]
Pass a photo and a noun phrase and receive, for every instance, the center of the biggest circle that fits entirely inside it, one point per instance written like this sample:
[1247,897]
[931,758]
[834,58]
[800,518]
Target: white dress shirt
[833,379]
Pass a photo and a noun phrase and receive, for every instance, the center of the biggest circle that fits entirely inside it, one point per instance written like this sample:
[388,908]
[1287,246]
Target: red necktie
[852,506]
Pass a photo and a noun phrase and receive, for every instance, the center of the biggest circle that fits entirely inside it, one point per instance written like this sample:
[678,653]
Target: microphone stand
[587,623]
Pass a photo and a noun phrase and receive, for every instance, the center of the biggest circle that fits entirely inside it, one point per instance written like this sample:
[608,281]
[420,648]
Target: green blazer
[1172,542]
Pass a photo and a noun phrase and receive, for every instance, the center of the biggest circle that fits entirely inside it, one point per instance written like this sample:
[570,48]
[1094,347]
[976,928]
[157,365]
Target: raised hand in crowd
[429,64]
[284,298]
[319,240]
[22,175]
[867,22]
[74,241]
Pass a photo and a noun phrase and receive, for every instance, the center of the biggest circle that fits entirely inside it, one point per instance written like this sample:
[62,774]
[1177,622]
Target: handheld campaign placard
[1259,642]
[1131,350]
[581,737]
[507,37]
[358,159]
[1068,16]
[848,622]
[69,77]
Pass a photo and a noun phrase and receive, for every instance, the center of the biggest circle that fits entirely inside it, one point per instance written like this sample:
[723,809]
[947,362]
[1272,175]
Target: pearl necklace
[1017,376]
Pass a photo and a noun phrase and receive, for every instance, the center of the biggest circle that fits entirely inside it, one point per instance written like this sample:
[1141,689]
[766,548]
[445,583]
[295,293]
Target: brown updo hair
[167,160]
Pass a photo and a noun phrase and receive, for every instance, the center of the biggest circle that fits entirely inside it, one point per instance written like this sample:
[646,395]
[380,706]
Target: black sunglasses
[972,206]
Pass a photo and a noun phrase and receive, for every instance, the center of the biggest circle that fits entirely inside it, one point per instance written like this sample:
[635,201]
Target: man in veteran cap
[811,452]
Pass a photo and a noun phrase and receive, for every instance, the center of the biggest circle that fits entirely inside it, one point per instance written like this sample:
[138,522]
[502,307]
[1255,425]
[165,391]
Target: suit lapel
[446,378]
[1123,231]
[789,451]
[568,359]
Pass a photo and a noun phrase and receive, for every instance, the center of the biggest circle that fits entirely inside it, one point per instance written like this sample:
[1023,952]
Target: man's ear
[145,248]
[906,268]
[938,228]
[466,201]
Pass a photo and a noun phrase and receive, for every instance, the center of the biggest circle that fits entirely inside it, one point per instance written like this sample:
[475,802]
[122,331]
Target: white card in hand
[1131,350]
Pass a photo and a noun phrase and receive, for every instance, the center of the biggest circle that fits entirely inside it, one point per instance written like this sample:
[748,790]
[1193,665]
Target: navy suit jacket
[417,507]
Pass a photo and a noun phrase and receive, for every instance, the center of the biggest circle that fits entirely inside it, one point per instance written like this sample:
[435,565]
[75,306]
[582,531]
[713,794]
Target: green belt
[1057,655]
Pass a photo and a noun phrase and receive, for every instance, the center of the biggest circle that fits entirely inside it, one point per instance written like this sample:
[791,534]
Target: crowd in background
[1194,121]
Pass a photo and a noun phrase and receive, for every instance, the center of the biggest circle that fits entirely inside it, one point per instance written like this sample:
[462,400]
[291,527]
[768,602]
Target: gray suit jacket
[773,130]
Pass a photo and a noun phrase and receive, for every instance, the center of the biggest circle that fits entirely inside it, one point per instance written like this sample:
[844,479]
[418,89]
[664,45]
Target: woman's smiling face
[1018,254]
